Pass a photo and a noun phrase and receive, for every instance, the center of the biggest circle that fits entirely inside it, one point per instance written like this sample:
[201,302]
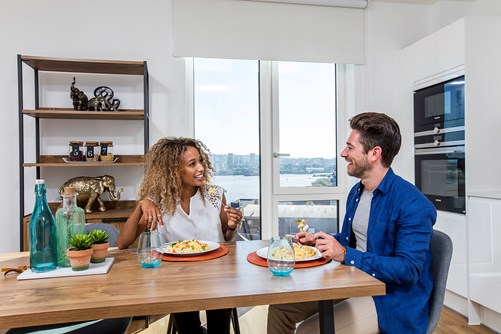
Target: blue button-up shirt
[398,251]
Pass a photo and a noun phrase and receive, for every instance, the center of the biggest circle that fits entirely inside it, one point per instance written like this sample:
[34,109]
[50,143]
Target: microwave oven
[439,106]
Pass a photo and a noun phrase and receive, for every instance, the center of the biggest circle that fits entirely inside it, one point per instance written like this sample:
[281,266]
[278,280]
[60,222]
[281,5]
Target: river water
[239,186]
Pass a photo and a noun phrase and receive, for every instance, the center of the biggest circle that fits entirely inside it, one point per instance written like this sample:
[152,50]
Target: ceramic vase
[99,252]
[79,260]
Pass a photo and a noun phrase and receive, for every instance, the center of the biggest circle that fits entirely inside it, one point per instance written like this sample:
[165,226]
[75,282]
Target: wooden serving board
[94,269]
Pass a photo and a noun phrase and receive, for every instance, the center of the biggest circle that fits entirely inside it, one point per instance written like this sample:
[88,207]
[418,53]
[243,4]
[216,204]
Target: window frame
[268,95]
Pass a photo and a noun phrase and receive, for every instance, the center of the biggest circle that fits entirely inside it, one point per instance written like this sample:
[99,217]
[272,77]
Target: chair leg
[171,327]
[234,319]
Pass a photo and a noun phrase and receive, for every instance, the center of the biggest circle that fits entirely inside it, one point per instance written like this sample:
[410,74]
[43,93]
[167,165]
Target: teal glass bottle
[70,219]
[43,239]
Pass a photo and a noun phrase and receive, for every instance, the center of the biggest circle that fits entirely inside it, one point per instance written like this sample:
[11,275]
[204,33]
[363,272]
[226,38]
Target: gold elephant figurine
[90,188]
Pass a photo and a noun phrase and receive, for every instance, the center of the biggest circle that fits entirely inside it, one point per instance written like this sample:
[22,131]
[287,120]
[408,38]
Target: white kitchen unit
[484,248]
[454,225]
[471,44]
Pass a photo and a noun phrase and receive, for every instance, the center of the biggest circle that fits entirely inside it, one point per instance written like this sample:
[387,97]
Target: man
[386,233]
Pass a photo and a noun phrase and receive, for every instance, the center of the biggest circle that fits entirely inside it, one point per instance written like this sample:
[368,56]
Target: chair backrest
[110,229]
[441,253]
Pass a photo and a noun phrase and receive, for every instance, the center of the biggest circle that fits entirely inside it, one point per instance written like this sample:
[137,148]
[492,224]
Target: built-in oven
[439,140]
[440,175]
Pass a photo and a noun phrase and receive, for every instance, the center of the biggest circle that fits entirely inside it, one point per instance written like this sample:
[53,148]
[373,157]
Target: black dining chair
[171,327]
[441,254]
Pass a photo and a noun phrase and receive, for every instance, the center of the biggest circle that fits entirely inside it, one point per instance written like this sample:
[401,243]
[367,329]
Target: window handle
[276,154]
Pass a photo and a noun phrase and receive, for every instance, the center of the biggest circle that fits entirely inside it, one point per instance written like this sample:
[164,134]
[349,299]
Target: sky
[227,107]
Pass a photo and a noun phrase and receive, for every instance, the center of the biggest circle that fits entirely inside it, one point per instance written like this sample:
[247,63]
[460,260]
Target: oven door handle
[444,150]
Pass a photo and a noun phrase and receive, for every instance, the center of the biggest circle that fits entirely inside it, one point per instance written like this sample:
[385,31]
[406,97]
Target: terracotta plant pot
[79,260]
[100,251]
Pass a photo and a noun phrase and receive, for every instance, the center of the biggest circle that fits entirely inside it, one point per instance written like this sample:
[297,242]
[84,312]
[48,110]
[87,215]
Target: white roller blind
[267,31]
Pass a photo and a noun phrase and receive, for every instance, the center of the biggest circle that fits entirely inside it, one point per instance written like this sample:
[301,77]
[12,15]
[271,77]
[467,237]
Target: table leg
[326,316]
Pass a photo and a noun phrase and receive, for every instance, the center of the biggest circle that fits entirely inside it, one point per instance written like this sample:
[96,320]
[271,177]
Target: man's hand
[304,238]
[329,247]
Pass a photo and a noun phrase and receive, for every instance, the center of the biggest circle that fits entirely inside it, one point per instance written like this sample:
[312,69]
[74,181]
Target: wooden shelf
[115,215]
[63,113]
[116,210]
[85,65]
[57,161]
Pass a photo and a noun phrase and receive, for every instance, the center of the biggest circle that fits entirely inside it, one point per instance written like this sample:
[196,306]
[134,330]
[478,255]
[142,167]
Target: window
[231,101]
[305,121]
[226,104]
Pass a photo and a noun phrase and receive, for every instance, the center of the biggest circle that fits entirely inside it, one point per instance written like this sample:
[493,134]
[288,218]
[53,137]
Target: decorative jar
[76,151]
[106,151]
[92,151]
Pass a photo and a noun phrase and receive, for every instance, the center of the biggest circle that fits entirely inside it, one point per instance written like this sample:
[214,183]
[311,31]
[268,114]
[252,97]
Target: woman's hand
[150,216]
[329,247]
[234,217]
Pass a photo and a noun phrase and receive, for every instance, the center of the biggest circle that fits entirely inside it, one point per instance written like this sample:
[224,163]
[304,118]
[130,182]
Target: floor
[253,321]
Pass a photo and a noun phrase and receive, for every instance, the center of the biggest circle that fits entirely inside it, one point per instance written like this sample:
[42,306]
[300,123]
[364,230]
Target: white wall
[142,31]
[125,29]
[389,28]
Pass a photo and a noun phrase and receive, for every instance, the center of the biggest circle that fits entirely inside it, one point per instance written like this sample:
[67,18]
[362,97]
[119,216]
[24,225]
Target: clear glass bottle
[70,219]
[43,238]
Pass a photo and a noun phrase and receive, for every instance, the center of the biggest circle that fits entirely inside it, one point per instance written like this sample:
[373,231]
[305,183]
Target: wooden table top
[130,290]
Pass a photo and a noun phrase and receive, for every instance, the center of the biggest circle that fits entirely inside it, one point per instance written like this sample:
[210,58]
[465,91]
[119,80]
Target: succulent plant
[99,236]
[80,241]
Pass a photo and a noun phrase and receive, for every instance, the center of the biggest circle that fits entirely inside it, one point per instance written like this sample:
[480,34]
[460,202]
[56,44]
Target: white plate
[213,246]
[90,161]
[263,252]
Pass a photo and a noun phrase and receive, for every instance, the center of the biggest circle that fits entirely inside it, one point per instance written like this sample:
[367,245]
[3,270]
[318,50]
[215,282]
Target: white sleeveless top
[203,222]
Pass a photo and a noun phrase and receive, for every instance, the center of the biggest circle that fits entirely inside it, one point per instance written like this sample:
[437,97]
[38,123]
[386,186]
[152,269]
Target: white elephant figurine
[90,188]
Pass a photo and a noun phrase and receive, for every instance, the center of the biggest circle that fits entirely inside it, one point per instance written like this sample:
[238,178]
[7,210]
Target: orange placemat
[221,251]
[259,261]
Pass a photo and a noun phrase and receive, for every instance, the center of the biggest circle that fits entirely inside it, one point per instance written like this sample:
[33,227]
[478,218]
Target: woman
[176,198]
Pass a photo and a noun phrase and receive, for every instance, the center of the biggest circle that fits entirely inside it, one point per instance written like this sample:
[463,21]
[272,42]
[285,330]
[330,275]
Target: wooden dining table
[129,290]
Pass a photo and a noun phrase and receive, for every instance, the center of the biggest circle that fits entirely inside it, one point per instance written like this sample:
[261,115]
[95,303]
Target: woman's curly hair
[162,179]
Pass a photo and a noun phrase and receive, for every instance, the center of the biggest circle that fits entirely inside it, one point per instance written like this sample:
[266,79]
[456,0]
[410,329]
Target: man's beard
[359,168]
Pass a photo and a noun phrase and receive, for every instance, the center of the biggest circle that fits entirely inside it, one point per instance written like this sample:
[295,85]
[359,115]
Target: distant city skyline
[248,164]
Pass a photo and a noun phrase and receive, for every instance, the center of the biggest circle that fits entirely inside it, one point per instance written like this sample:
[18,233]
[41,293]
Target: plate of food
[302,253]
[189,247]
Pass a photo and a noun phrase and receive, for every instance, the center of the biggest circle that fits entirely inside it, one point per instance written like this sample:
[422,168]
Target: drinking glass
[149,252]
[281,258]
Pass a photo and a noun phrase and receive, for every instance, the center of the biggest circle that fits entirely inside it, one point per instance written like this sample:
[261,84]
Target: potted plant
[80,251]
[100,245]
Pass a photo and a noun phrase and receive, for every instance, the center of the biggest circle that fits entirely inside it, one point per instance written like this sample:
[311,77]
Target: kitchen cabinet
[438,52]
[471,44]
[31,139]
[484,248]
[454,225]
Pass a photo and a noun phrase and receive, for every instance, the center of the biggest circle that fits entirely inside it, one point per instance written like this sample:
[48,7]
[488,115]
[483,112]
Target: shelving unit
[117,211]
